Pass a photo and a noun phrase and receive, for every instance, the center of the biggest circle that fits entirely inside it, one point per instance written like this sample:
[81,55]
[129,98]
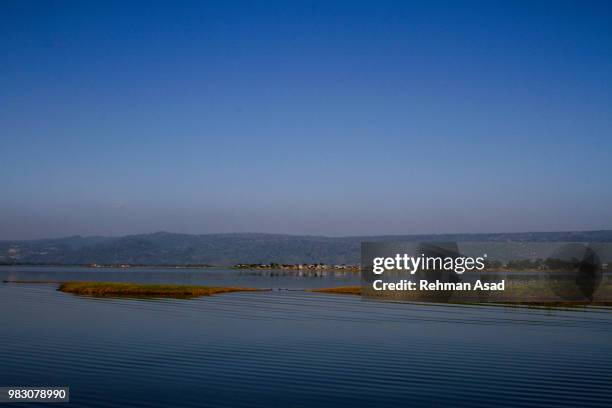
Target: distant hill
[163,248]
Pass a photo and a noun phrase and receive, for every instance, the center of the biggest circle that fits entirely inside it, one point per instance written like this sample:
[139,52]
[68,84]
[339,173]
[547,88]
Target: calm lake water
[293,348]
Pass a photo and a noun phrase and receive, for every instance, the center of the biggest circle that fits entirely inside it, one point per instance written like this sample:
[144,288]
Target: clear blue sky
[334,118]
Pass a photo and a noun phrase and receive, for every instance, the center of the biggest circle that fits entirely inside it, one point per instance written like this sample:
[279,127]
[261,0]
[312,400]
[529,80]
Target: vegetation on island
[114,289]
[341,290]
[136,290]
[533,287]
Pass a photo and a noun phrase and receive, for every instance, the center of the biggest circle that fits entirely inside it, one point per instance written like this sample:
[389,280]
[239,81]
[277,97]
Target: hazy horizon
[306,235]
[304,118]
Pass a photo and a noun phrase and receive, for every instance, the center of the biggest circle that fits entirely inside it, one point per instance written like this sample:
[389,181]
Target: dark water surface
[292,348]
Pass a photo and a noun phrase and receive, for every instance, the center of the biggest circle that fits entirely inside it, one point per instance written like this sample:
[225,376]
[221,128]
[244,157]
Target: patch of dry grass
[113,289]
[344,290]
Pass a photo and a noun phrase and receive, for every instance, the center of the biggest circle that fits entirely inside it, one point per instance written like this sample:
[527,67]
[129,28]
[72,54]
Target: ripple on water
[301,349]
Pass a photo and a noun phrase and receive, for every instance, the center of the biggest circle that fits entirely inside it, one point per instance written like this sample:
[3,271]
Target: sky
[321,118]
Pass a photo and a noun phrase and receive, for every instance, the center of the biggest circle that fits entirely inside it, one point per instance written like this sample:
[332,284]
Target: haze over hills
[163,248]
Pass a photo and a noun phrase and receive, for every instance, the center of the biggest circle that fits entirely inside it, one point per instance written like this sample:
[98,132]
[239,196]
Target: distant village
[316,266]
[272,265]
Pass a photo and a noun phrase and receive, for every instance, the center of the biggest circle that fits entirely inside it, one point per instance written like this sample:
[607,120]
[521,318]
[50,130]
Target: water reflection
[259,278]
[291,348]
